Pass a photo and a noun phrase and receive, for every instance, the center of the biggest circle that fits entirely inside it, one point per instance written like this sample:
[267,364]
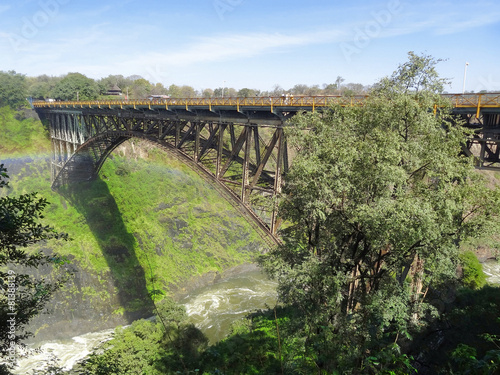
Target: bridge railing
[264,101]
[486,100]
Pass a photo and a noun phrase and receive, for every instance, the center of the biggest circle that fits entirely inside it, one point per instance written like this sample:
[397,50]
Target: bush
[473,275]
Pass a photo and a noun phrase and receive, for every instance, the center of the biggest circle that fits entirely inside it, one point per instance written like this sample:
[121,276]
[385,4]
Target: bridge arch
[237,159]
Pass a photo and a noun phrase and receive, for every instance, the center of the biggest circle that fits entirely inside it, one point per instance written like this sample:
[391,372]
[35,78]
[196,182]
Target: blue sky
[251,43]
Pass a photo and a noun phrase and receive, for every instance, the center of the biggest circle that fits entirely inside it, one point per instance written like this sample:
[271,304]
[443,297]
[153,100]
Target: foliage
[472,271]
[76,86]
[41,87]
[251,349]
[466,361]
[23,295]
[165,236]
[12,89]
[267,342]
[45,87]
[167,346]
[21,136]
[464,340]
[378,199]
[246,93]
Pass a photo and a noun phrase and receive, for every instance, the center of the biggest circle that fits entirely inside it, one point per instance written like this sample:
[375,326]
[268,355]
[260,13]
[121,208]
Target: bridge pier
[67,133]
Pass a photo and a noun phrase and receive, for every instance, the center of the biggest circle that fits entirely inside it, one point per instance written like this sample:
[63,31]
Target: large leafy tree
[22,295]
[13,89]
[76,86]
[378,199]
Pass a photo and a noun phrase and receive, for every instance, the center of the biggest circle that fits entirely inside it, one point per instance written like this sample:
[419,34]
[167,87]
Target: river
[211,308]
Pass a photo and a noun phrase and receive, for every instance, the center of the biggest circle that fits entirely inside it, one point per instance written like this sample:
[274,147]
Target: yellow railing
[489,100]
[282,101]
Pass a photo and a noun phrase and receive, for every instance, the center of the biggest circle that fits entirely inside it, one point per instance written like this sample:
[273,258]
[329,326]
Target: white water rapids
[212,309]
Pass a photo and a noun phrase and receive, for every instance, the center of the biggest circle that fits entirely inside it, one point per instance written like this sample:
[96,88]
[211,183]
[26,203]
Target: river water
[212,309]
[492,270]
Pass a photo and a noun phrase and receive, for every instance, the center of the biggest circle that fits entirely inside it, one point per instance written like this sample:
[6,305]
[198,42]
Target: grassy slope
[149,223]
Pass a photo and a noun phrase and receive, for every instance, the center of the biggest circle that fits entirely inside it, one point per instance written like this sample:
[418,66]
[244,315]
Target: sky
[252,43]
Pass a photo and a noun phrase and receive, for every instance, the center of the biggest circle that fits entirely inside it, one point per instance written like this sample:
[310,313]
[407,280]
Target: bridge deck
[469,102]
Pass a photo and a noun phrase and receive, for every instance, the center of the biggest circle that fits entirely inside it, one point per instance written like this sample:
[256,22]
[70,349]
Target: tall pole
[465,74]
[223,88]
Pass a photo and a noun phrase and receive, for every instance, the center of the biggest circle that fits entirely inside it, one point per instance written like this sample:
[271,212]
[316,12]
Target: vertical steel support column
[257,144]
[246,163]
[483,150]
[220,147]
[177,133]
[277,181]
[233,136]
[197,127]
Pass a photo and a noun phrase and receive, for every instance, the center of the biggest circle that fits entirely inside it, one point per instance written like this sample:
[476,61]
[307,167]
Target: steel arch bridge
[238,143]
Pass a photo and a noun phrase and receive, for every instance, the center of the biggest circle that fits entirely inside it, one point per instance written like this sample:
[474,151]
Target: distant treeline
[16,87]
[76,86]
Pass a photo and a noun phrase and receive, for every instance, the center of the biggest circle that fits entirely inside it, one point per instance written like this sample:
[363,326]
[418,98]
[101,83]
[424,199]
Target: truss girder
[484,144]
[241,148]
[244,158]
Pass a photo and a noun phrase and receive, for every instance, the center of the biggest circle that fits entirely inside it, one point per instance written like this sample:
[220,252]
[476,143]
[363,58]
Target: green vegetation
[12,89]
[148,215]
[15,88]
[154,219]
[21,136]
[76,86]
[150,347]
[24,294]
[379,200]
[377,205]
[473,275]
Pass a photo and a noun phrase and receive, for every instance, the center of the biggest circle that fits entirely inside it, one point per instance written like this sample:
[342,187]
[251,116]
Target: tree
[23,295]
[330,89]
[300,89]
[207,93]
[378,199]
[140,88]
[246,93]
[13,89]
[174,91]
[41,87]
[187,92]
[76,86]
[159,89]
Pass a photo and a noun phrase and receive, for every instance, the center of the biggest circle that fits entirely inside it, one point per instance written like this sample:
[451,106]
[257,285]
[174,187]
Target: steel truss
[484,144]
[247,160]
[242,150]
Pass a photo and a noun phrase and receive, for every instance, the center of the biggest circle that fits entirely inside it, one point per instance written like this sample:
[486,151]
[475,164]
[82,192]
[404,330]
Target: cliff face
[147,228]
